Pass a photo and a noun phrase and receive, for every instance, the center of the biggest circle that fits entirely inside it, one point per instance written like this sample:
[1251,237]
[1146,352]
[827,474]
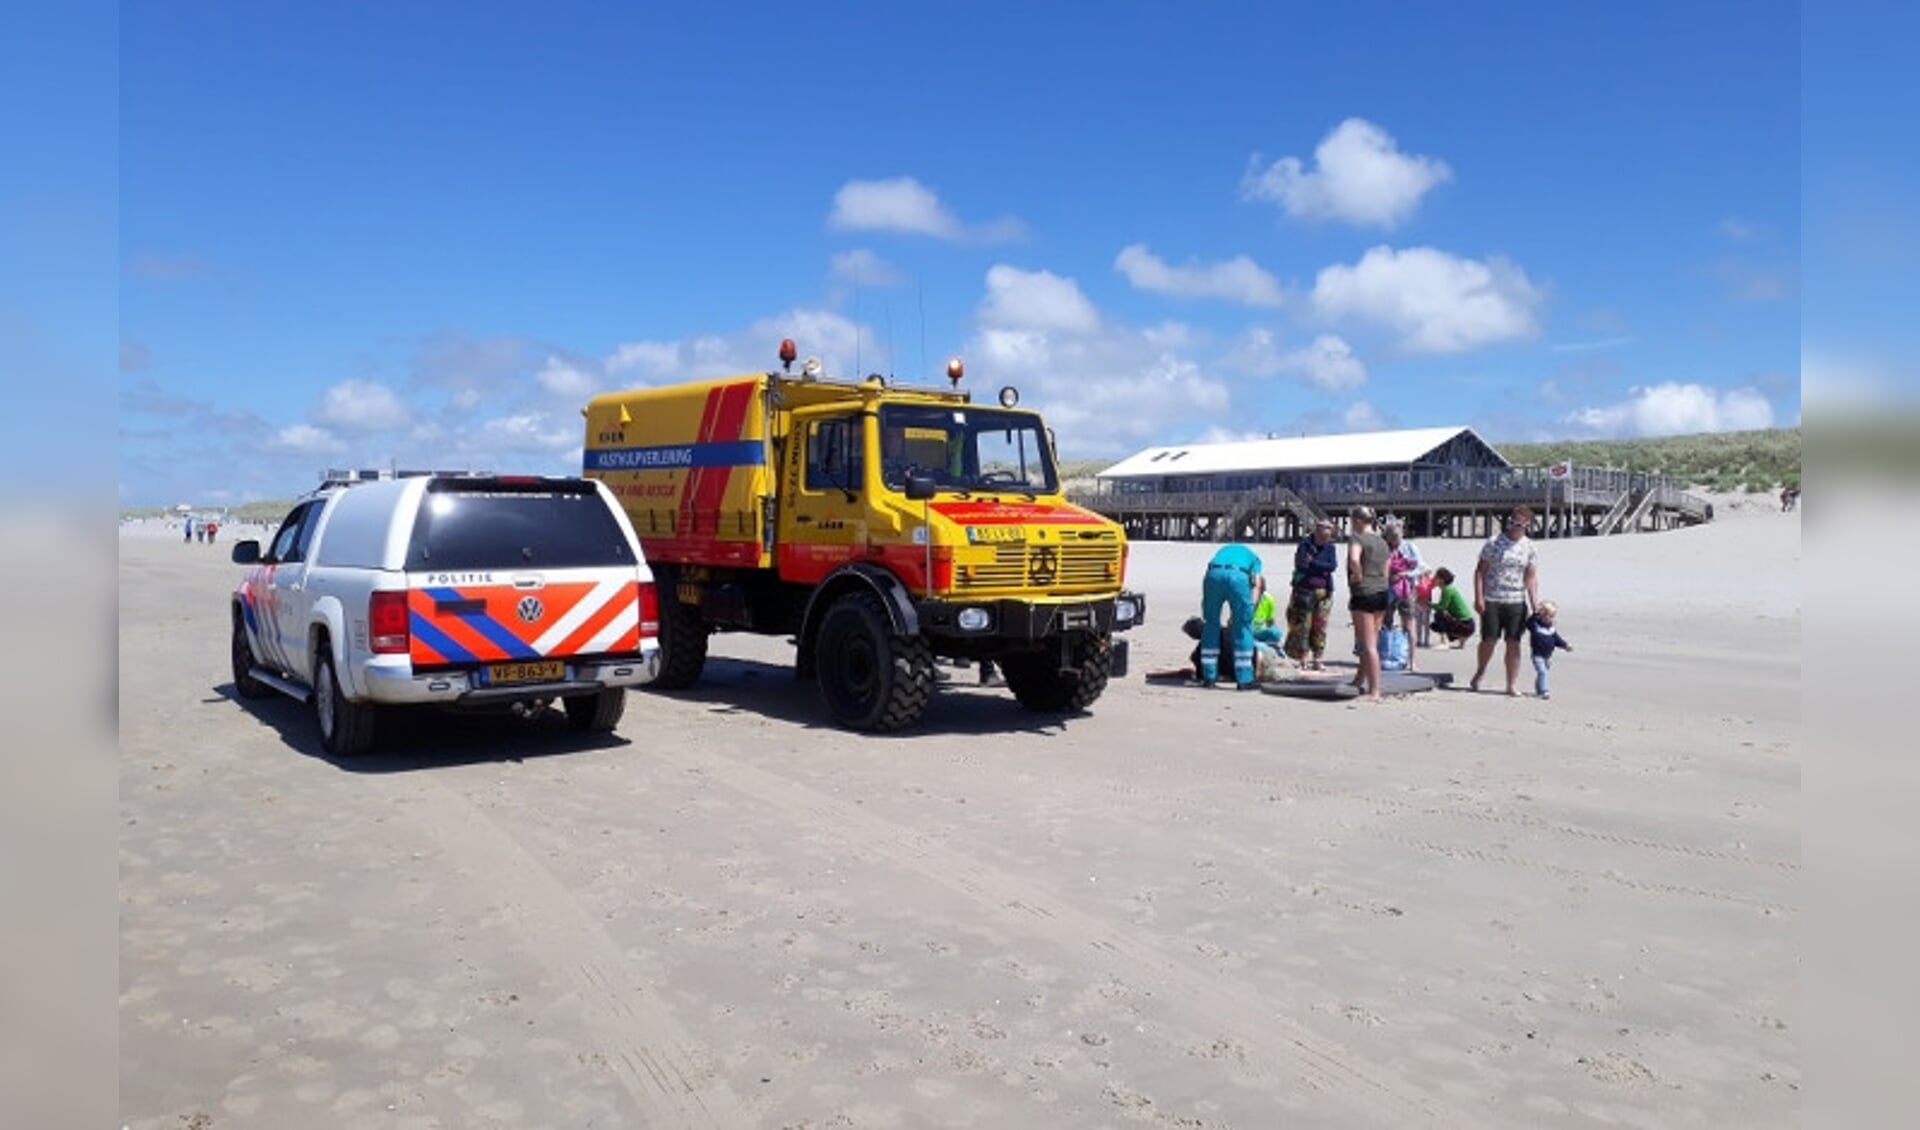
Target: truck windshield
[965,448]
[500,527]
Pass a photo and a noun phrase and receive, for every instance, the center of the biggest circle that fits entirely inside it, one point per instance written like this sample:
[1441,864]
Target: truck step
[286,687]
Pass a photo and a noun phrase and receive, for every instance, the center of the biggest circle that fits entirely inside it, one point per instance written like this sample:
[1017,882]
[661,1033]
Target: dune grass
[1724,461]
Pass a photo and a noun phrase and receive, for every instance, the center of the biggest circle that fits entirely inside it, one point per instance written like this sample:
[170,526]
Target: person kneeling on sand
[1452,616]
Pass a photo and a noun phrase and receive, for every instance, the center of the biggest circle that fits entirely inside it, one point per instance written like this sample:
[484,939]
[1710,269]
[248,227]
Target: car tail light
[387,622]
[649,610]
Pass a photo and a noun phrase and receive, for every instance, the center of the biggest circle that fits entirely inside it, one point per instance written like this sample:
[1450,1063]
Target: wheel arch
[328,620]
[858,576]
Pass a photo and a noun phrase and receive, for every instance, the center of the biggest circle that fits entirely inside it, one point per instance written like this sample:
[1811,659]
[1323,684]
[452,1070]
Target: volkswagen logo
[530,609]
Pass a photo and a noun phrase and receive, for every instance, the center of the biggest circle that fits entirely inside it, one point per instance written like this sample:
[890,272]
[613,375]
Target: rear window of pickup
[463,526]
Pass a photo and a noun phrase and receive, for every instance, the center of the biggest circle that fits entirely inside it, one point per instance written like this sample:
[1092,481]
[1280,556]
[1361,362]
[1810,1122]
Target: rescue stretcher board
[1335,686]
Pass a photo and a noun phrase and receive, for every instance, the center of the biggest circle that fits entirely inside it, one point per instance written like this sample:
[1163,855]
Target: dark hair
[1444,575]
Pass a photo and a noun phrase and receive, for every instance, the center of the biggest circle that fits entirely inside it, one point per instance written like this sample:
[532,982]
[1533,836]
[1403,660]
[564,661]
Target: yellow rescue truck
[878,526]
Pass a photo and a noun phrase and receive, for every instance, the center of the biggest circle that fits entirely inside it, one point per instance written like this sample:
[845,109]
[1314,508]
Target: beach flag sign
[1561,469]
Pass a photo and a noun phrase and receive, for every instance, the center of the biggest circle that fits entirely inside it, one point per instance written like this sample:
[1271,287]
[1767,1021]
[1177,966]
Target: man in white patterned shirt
[1506,584]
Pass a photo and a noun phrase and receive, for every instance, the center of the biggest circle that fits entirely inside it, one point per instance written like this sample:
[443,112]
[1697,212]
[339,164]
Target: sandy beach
[1184,908]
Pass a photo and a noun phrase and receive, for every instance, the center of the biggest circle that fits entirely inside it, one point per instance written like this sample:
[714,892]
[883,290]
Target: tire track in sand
[660,1066]
[1373,1095]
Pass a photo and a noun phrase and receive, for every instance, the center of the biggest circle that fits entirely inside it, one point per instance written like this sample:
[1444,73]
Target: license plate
[994,533]
[543,671]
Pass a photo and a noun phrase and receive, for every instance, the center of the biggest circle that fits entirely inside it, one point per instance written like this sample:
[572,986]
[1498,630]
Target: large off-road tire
[1040,685]
[596,713]
[683,640]
[870,678]
[244,684]
[346,728]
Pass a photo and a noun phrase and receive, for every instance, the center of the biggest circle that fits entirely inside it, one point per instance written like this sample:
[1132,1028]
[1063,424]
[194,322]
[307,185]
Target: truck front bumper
[1011,618]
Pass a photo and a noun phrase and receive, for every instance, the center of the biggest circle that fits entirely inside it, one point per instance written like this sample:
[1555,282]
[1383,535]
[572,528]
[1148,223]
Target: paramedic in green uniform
[1233,579]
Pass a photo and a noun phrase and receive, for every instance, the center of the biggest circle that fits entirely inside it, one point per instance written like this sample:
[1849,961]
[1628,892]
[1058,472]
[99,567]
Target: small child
[1543,639]
[1423,609]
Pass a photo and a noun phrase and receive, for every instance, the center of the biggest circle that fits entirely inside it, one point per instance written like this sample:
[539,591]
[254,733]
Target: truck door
[288,578]
[823,511]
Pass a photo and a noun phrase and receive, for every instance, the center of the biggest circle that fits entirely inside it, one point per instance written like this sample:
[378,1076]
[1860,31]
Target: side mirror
[246,552]
[919,486]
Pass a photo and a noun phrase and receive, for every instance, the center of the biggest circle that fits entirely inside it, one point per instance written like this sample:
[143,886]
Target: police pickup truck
[461,591]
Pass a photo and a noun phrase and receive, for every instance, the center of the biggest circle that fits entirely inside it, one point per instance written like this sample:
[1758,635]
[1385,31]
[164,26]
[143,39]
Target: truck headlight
[973,619]
[1124,611]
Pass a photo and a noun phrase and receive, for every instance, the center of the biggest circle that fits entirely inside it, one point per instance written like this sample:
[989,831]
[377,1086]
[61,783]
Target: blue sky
[356,234]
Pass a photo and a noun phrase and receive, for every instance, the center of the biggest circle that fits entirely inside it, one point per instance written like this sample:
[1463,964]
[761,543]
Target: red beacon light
[788,351]
[955,370]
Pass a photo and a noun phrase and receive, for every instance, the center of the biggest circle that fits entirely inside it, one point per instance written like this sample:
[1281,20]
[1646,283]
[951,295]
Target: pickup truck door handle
[802,519]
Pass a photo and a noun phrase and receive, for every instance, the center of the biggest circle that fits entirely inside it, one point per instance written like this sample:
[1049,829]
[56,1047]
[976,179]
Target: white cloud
[862,267]
[1436,302]
[1327,362]
[362,406]
[1036,300]
[841,344]
[1239,279]
[903,204]
[1363,417]
[1359,176]
[529,432]
[1678,409]
[1105,388]
[562,378]
[1219,434]
[1737,229]
[305,439]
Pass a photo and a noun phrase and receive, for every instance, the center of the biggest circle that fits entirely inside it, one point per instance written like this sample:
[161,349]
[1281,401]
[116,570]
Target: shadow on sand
[731,687]
[418,738]
[426,738]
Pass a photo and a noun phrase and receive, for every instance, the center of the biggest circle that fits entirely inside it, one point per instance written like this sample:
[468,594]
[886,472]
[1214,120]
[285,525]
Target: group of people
[203,529]
[1390,587]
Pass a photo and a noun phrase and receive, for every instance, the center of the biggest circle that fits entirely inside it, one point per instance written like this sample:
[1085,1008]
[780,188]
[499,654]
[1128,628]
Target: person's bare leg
[1513,668]
[1486,657]
[1370,657]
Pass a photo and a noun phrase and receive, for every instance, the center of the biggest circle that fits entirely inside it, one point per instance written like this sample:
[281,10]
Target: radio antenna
[920,296]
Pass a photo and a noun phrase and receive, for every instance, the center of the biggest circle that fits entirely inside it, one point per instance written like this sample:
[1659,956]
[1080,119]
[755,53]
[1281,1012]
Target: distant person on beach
[1506,583]
[1544,639]
[1367,555]
[1403,572]
[1423,590]
[188,527]
[213,531]
[1452,615]
[1233,582]
[1310,596]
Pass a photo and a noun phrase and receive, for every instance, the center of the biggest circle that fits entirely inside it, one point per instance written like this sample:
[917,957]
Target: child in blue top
[1543,639]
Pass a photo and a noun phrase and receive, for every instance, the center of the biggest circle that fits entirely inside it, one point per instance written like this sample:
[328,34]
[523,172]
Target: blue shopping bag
[1394,647]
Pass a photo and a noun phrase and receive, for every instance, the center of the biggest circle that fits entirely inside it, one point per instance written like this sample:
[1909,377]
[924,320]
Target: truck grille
[1069,566]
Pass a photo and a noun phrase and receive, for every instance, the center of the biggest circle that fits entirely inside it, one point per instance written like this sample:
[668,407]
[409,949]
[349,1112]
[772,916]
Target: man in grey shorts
[1506,584]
